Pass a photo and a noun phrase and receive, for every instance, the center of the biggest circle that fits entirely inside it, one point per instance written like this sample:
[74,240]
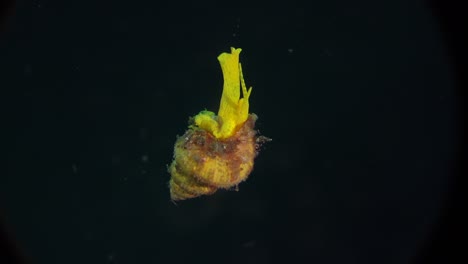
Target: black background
[358,97]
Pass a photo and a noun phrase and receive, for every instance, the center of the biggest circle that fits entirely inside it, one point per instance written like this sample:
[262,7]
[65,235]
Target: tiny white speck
[290,50]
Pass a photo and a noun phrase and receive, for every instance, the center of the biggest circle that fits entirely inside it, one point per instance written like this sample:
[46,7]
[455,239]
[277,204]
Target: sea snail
[217,151]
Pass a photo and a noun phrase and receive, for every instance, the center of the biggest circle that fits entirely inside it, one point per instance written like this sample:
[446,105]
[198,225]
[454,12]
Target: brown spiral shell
[203,164]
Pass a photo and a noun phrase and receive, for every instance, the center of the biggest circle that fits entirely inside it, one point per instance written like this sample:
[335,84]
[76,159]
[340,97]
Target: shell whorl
[202,163]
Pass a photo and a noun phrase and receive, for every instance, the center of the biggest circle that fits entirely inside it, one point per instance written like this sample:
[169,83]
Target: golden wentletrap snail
[217,151]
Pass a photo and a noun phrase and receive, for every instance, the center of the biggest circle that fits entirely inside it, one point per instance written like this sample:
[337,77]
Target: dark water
[358,98]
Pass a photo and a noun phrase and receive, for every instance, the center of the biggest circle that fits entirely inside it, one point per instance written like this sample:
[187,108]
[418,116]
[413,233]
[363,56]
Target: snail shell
[203,164]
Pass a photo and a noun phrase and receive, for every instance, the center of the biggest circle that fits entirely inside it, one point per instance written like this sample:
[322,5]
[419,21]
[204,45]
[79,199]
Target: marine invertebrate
[217,151]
